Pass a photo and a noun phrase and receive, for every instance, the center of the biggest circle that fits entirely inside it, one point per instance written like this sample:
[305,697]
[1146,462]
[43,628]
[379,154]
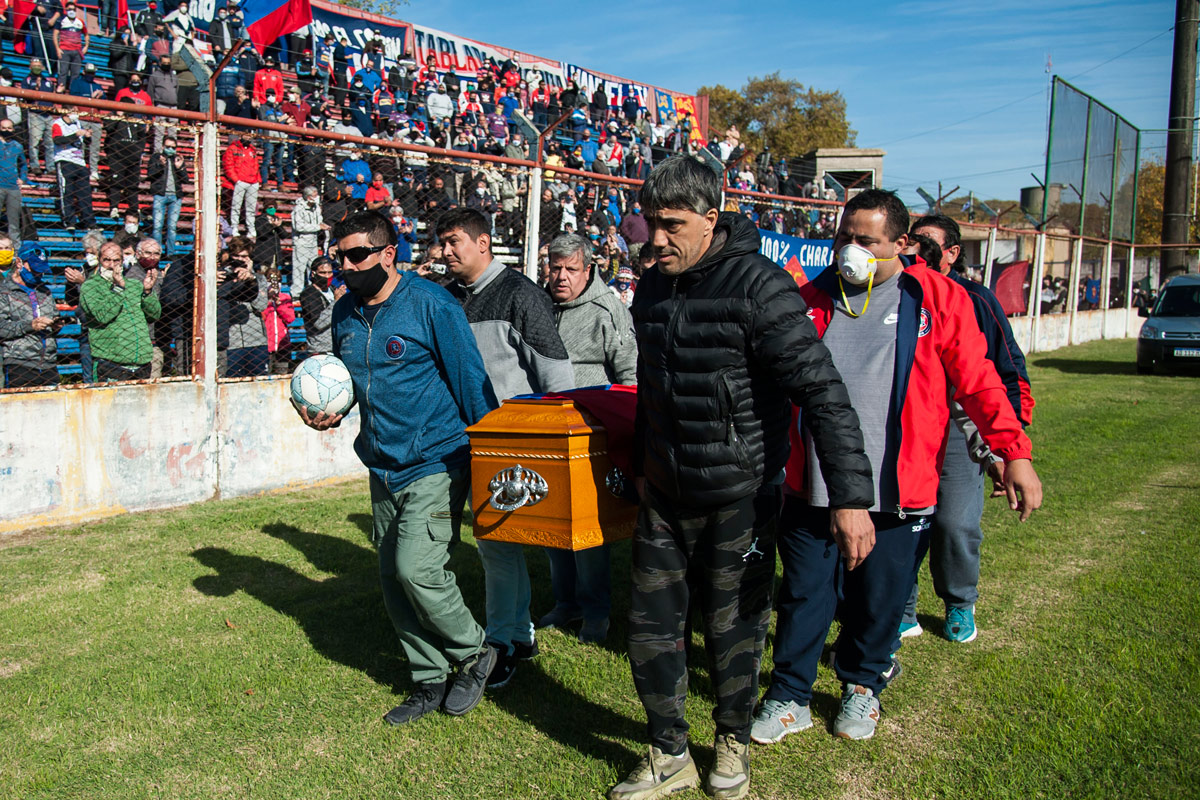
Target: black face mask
[365,283]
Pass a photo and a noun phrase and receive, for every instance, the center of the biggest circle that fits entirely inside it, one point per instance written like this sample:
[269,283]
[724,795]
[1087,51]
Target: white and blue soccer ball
[322,383]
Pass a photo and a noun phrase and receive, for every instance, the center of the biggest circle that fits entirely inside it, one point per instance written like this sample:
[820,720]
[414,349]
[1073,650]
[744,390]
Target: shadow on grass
[1086,366]
[569,718]
[343,616]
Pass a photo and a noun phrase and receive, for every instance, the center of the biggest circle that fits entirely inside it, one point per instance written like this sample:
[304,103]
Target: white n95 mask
[856,264]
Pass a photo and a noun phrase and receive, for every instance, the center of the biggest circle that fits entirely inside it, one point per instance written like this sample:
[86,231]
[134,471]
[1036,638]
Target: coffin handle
[516,487]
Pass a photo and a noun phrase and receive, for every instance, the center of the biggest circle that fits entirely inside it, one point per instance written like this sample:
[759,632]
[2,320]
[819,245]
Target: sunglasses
[357,255]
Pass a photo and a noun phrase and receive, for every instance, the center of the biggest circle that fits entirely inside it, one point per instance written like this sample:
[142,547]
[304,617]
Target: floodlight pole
[1175,218]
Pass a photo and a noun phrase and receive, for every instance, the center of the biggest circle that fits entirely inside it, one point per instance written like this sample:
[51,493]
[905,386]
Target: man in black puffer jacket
[725,346]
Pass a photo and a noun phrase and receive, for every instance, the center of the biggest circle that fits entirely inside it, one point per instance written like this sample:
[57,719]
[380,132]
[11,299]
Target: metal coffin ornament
[541,475]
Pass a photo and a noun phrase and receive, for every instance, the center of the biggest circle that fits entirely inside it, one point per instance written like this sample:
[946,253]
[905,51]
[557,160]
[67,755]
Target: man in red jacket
[242,175]
[267,79]
[901,336]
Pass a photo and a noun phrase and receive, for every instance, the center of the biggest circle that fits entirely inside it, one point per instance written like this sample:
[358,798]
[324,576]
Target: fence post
[989,257]
[1035,290]
[1129,288]
[207,252]
[1105,293]
[1073,287]
[533,224]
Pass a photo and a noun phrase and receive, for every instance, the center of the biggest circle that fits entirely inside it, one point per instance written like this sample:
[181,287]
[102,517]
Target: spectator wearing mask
[306,72]
[356,174]
[163,86]
[71,40]
[316,305]
[86,85]
[277,316]
[634,231]
[168,172]
[551,217]
[147,20]
[241,299]
[440,106]
[268,242]
[241,174]
[405,238]
[130,233]
[274,143]
[122,57]
[40,115]
[406,195]
[482,201]
[307,224]
[134,92]
[119,315]
[125,142]
[181,25]
[267,79]
[74,184]
[377,196]
[222,31]
[14,176]
[29,322]
[597,331]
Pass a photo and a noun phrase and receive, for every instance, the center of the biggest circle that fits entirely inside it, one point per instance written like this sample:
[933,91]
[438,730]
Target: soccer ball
[322,383]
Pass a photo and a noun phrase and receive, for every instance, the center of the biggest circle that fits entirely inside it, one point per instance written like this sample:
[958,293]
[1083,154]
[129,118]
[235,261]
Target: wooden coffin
[541,475]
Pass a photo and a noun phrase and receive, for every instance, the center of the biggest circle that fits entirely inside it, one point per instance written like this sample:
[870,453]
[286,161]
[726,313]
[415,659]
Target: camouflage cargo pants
[724,559]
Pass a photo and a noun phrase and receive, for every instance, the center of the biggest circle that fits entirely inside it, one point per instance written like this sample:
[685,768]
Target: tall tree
[781,113]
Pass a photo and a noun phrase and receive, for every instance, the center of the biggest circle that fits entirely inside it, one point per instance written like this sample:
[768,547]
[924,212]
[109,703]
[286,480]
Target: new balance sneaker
[506,667]
[859,714]
[658,774]
[467,689]
[559,617]
[526,652]
[777,718]
[730,776]
[426,697]
[960,624]
[910,629]
[594,631]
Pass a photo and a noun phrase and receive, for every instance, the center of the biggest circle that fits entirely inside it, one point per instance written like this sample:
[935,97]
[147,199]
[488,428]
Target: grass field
[240,649]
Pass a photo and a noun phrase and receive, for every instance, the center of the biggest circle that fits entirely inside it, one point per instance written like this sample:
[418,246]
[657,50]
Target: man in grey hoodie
[597,331]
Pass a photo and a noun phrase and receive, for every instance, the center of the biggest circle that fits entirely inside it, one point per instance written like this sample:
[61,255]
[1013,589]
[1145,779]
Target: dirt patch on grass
[10,668]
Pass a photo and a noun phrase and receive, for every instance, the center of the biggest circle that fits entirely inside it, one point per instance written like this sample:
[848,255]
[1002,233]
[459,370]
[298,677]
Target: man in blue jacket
[419,382]
[957,533]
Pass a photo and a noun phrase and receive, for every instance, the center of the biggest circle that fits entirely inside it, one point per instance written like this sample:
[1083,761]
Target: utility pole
[1176,219]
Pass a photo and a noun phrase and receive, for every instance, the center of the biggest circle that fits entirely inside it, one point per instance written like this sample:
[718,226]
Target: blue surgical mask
[29,277]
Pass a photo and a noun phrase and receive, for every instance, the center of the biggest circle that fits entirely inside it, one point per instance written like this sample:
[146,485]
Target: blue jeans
[272,150]
[170,203]
[506,584]
[582,581]
[814,580]
[956,536]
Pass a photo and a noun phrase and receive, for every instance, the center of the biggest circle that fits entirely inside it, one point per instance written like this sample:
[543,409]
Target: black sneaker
[425,698]
[525,652]
[506,667]
[467,689]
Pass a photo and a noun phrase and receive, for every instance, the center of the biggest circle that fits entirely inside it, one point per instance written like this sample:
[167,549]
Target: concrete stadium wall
[1054,330]
[73,455]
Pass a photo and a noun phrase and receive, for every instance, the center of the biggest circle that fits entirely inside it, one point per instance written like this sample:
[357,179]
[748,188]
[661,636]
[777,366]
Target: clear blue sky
[905,68]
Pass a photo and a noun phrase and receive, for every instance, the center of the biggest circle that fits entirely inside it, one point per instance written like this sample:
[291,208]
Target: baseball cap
[89,68]
[34,258]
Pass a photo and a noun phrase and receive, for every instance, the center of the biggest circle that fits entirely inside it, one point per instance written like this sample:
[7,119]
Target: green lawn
[240,649]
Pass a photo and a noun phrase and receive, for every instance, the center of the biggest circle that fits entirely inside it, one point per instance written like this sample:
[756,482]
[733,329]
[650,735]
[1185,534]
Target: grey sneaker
[467,689]
[730,776]
[594,631]
[777,718]
[859,715]
[657,775]
[426,698]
